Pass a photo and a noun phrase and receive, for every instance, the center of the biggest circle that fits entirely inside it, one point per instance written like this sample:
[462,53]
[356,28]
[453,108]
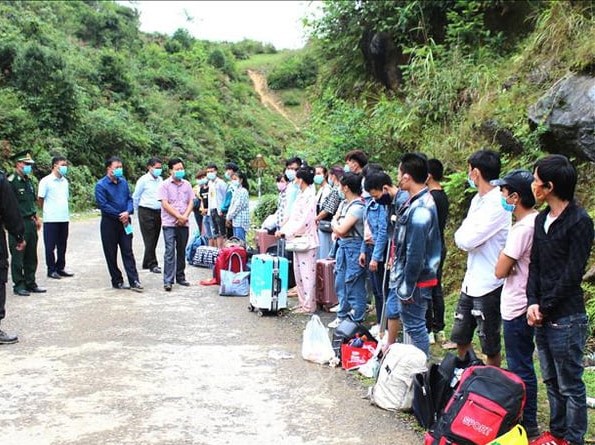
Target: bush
[298,71]
[267,206]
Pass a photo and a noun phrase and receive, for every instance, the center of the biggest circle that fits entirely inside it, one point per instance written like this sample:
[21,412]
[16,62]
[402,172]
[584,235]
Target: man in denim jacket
[416,255]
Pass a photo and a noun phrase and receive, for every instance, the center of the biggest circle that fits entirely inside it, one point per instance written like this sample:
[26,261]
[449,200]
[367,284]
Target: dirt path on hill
[268,100]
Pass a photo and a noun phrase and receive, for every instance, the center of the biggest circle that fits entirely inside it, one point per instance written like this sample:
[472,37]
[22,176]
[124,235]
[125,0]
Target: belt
[149,208]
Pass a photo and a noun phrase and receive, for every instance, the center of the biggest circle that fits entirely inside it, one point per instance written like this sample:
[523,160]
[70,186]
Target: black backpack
[488,403]
[433,388]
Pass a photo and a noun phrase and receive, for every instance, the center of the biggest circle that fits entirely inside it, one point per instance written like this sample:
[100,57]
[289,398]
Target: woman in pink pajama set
[301,222]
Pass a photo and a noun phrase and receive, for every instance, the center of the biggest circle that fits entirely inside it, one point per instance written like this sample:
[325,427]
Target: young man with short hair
[417,247]
[149,211]
[217,191]
[53,195]
[355,161]
[482,235]
[562,243]
[513,266]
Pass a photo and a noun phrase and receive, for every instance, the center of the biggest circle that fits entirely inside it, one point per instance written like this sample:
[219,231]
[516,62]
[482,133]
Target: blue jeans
[413,317]
[518,341]
[240,233]
[376,281]
[350,281]
[325,243]
[174,260]
[560,345]
[208,226]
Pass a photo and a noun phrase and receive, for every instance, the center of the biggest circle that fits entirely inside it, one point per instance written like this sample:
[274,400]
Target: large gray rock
[567,111]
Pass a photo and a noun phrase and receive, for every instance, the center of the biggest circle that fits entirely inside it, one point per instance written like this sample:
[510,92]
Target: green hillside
[79,79]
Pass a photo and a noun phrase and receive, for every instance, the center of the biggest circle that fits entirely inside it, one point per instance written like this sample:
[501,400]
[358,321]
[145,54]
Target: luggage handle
[239,259]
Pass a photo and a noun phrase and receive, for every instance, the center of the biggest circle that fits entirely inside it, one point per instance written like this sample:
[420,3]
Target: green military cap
[23,156]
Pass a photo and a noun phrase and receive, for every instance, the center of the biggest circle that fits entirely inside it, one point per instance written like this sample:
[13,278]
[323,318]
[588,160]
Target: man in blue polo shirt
[53,195]
[113,198]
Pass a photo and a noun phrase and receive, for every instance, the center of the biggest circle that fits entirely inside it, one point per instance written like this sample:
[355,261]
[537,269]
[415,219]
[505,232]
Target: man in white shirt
[53,195]
[149,211]
[482,235]
[217,191]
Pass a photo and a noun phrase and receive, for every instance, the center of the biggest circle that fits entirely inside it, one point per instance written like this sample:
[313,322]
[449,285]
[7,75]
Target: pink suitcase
[264,240]
[325,284]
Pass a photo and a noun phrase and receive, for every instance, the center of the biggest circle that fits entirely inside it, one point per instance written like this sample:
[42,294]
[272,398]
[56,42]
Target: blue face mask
[318,179]
[331,182]
[118,172]
[211,176]
[506,206]
[63,169]
[341,194]
[227,176]
[202,181]
[235,183]
[27,169]
[346,169]
[157,172]
[179,174]
[470,182]
[290,173]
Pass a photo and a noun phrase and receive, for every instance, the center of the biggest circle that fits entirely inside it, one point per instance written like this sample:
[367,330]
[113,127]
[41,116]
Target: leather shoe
[7,339]
[63,273]
[22,292]
[120,286]
[54,275]
[184,283]
[156,269]
[167,287]
[37,290]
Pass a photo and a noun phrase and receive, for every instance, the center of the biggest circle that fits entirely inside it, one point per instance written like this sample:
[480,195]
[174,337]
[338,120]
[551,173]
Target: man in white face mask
[149,211]
[291,167]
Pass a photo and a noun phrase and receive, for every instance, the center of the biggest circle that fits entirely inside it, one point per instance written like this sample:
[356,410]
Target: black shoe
[7,339]
[184,283]
[167,287]
[22,292]
[54,275]
[63,273]
[136,286]
[120,286]
[156,269]
[37,290]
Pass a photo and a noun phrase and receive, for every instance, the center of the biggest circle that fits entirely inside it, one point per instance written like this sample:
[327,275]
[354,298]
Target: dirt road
[100,366]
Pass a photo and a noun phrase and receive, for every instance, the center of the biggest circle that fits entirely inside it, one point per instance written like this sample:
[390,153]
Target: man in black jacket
[561,246]
[10,218]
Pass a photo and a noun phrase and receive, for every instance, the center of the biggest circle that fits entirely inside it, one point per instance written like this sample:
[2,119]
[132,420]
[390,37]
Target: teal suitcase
[268,283]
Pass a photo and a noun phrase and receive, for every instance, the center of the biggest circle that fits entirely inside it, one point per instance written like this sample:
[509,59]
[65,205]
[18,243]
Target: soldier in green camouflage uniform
[23,264]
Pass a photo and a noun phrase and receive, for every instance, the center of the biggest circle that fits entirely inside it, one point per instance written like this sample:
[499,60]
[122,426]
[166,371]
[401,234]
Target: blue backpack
[196,242]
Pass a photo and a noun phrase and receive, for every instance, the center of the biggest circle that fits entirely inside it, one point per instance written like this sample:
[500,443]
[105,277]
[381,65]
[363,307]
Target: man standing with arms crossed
[482,235]
[10,218]
[53,195]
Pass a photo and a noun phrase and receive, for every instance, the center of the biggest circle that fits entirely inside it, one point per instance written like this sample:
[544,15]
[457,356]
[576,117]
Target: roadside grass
[263,62]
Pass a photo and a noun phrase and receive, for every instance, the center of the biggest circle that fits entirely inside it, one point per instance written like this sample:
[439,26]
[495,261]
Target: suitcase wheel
[251,308]
[260,313]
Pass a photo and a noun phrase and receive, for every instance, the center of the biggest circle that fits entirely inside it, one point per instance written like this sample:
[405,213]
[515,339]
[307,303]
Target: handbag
[234,284]
[325,226]
[298,244]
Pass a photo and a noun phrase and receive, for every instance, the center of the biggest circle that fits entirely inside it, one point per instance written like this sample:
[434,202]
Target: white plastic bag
[316,344]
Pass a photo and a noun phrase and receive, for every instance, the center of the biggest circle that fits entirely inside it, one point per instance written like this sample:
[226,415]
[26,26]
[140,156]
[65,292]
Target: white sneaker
[334,324]
[432,338]
[334,309]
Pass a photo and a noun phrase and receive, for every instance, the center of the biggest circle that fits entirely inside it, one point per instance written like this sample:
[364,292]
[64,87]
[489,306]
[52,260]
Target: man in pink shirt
[177,200]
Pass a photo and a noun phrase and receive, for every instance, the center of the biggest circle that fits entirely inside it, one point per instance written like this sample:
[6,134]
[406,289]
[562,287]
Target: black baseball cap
[518,181]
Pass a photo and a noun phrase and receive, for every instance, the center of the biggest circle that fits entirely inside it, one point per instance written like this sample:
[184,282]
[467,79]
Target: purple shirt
[178,195]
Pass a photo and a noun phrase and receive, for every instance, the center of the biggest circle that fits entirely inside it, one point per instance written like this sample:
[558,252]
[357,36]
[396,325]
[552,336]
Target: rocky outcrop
[566,114]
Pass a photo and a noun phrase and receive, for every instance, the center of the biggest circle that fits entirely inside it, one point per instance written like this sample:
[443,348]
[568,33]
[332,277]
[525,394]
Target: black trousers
[150,228]
[112,237]
[55,237]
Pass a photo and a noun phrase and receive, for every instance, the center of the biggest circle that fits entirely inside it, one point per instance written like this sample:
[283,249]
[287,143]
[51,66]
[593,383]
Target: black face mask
[384,200]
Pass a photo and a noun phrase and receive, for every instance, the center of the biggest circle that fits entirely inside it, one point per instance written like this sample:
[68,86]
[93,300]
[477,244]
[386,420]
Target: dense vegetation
[79,79]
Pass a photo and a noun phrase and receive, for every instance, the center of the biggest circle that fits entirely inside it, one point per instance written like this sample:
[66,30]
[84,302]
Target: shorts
[393,305]
[217,224]
[482,313]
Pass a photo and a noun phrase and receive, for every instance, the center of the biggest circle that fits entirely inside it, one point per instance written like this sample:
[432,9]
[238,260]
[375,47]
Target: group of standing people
[19,215]
[524,277]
